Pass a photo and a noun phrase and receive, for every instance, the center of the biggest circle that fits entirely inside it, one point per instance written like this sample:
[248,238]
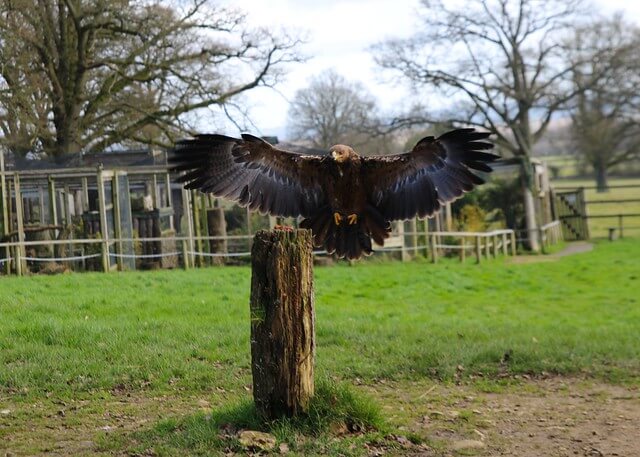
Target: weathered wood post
[282,322]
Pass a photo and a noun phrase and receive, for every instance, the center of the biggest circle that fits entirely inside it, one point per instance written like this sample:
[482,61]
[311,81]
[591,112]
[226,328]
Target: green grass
[599,227]
[190,329]
[175,336]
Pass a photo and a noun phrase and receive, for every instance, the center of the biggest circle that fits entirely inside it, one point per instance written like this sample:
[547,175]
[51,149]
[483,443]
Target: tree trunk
[602,178]
[217,227]
[530,216]
[282,322]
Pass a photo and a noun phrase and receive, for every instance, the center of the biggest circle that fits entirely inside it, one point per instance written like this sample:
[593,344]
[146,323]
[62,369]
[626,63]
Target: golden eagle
[345,199]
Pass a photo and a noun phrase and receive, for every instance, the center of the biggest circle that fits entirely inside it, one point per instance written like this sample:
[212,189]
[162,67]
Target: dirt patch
[550,417]
[565,418]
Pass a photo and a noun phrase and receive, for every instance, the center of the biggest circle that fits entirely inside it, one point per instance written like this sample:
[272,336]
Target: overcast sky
[339,33]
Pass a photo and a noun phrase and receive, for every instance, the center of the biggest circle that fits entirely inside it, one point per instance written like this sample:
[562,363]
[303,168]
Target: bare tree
[500,63]
[606,123]
[88,74]
[332,110]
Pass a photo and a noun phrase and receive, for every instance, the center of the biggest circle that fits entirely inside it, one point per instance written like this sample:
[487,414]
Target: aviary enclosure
[122,211]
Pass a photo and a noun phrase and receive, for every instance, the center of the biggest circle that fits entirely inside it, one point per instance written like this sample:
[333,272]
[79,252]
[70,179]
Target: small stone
[5,412]
[253,440]
[467,444]
[283,448]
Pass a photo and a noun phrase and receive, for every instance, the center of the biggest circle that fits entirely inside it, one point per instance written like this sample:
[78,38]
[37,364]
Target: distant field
[599,226]
[85,353]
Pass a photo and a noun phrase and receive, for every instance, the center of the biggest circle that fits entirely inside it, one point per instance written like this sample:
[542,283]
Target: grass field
[599,227]
[169,341]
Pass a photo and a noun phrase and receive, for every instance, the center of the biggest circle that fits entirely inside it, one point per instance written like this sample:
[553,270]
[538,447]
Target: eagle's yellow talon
[337,218]
[353,219]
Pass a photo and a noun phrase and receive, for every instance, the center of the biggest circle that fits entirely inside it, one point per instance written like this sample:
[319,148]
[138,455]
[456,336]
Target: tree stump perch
[282,322]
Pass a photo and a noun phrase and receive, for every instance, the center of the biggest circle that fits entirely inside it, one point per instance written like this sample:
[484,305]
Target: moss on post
[282,322]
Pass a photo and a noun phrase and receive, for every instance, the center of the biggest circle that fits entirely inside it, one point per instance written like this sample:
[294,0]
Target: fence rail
[482,245]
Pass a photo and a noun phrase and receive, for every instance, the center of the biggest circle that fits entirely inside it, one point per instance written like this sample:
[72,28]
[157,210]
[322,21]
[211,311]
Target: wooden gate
[572,211]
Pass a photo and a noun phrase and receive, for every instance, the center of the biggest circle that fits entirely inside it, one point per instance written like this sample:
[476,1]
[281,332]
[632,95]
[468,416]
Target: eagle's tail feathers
[350,241]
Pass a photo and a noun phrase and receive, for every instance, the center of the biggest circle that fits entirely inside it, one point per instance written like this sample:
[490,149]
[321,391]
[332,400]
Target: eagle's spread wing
[435,171]
[251,172]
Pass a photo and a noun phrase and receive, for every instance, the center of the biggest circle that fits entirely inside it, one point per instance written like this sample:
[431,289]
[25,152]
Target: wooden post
[41,206]
[463,248]
[65,205]
[513,243]
[448,216]
[21,265]
[478,250]
[426,238]
[197,227]
[188,213]
[154,192]
[85,194]
[185,255]
[117,222]
[204,226]
[434,248]
[282,322]
[104,229]
[504,244]
[4,196]
[172,225]
[541,234]
[487,247]
[494,238]
[404,255]
[438,219]
[53,203]
[413,226]
[620,226]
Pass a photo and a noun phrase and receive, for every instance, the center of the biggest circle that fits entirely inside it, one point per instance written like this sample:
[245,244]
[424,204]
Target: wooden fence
[16,256]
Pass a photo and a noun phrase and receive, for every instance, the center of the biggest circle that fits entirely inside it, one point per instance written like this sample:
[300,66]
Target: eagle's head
[341,153]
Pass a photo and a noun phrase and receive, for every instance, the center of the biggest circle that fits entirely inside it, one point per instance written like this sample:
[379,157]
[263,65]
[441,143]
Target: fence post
[494,238]
[185,255]
[413,226]
[104,229]
[487,247]
[21,250]
[426,238]
[104,250]
[463,248]
[513,243]
[478,250]
[282,322]
[542,239]
[504,244]
[3,196]
[434,248]
[620,226]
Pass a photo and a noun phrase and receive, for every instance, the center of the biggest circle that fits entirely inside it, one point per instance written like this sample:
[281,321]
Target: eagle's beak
[334,154]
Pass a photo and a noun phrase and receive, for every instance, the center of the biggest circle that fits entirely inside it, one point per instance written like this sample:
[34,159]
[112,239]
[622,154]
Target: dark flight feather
[251,172]
[434,172]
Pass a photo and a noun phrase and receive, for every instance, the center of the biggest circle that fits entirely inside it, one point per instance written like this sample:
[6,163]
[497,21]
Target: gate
[572,211]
